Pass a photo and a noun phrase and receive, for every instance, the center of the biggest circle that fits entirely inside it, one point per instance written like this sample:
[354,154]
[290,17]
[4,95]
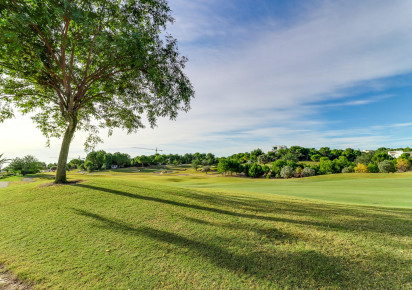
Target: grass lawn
[120,230]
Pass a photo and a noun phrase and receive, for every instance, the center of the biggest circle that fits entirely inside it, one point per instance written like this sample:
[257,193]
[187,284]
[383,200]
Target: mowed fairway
[141,230]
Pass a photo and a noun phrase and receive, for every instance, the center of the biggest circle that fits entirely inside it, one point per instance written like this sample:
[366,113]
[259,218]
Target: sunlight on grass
[115,230]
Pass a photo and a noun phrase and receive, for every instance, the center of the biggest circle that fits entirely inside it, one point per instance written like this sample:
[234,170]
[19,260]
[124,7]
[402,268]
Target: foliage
[380,156]
[298,172]
[256,171]
[196,164]
[315,157]
[348,170]
[26,165]
[3,160]
[263,159]
[307,172]
[372,168]
[206,169]
[365,158]
[403,165]
[326,166]
[386,166]
[290,157]
[287,172]
[361,168]
[87,65]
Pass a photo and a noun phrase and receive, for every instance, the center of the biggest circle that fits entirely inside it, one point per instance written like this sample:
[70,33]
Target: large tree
[89,64]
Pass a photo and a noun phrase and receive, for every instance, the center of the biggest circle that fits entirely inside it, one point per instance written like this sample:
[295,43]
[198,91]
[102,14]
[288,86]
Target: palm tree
[3,160]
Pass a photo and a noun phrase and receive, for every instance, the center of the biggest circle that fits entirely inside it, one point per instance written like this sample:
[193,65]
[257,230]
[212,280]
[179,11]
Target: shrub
[372,168]
[361,168]
[403,165]
[255,171]
[195,164]
[325,166]
[298,172]
[287,172]
[347,170]
[386,166]
[307,172]
[277,166]
[206,169]
[246,168]
[265,169]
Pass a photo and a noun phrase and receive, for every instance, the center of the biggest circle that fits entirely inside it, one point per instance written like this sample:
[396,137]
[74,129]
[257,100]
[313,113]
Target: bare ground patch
[10,282]
[71,182]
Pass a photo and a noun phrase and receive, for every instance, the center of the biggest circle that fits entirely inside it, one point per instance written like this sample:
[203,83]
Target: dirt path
[8,282]
[27,179]
[4,184]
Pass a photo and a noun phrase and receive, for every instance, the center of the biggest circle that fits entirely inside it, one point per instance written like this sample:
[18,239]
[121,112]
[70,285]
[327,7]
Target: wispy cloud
[264,81]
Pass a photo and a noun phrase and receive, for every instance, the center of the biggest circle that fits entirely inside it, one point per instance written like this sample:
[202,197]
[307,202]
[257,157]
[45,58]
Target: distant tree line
[303,162]
[295,161]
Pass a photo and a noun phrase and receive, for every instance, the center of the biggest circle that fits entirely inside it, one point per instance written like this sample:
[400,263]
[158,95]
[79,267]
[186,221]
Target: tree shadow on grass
[304,268]
[206,208]
[353,219]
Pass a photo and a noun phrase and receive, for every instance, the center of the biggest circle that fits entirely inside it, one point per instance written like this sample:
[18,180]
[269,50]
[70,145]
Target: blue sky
[309,73]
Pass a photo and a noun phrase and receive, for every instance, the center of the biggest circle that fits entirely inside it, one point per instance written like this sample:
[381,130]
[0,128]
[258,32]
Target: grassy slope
[392,190]
[161,235]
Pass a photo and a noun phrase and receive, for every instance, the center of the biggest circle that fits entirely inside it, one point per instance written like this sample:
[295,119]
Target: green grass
[11,178]
[121,230]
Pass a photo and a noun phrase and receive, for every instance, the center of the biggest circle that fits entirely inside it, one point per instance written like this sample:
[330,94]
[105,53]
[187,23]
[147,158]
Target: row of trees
[100,160]
[293,162]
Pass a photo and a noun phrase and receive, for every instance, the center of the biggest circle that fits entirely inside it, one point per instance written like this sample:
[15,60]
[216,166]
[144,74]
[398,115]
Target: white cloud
[262,80]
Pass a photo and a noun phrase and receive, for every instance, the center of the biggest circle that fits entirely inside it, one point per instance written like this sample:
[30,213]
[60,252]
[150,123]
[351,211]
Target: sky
[311,73]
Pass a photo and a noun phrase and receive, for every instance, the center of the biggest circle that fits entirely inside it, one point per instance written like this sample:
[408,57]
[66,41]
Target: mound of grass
[119,232]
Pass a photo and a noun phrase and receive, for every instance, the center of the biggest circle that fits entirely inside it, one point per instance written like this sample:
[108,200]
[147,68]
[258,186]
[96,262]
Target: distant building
[276,148]
[367,151]
[397,154]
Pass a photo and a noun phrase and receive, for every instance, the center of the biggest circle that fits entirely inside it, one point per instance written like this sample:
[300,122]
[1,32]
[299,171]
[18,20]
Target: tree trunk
[64,153]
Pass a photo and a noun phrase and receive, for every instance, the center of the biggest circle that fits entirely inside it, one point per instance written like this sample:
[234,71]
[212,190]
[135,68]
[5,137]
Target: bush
[307,172]
[287,172]
[246,168]
[255,171]
[347,170]
[372,168]
[298,172]
[206,169]
[386,166]
[403,165]
[277,166]
[361,168]
[325,166]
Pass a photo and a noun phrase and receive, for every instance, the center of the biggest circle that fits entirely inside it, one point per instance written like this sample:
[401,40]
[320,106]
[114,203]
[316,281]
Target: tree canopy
[88,65]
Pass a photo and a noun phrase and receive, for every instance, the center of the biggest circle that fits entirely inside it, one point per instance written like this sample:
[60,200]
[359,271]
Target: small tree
[372,168]
[206,169]
[26,165]
[307,172]
[255,171]
[287,172]
[403,165]
[196,164]
[3,160]
[298,172]
[348,170]
[361,168]
[386,166]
